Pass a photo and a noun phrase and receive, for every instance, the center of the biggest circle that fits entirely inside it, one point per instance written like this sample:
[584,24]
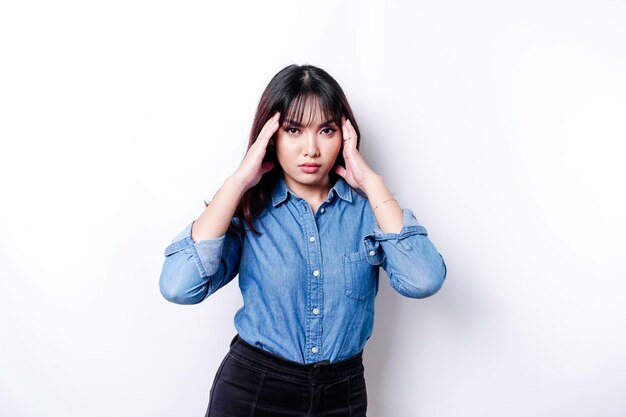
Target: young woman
[306,224]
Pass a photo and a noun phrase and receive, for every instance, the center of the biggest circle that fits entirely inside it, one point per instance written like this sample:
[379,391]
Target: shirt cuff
[410,227]
[206,253]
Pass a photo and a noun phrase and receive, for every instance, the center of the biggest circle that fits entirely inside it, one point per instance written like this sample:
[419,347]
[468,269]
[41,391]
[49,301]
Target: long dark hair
[287,93]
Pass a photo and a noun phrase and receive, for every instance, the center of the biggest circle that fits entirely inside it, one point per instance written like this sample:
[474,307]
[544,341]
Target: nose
[312,147]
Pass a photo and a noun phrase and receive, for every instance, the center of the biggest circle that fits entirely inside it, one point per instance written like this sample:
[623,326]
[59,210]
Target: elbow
[428,284]
[434,286]
[180,282]
[170,294]
[179,295]
[424,291]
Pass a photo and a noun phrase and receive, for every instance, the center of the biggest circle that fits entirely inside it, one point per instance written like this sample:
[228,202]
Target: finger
[348,147]
[344,129]
[268,130]
[271,125]
[272,129]
[275,124]
[340,170]
[352,133]
[346,150]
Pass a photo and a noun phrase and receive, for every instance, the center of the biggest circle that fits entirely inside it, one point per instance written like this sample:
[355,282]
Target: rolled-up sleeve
[194,270]
[414,266]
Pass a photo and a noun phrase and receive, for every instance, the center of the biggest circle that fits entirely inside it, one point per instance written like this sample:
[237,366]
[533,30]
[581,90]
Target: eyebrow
[325,123]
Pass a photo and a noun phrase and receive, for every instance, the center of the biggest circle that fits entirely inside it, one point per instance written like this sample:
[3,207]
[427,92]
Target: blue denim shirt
[309,281]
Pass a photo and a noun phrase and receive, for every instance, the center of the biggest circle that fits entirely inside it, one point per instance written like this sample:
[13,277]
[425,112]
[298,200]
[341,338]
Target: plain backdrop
[501,124]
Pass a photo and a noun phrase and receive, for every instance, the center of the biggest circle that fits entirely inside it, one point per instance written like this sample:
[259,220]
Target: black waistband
[268,362]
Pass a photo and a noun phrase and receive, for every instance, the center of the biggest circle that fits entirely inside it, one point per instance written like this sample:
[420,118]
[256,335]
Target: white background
[501,124]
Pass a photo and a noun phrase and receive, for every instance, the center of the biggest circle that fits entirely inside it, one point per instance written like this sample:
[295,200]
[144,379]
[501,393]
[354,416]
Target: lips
[310,168]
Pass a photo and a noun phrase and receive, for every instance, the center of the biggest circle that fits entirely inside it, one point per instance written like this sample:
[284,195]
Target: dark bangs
[330,107]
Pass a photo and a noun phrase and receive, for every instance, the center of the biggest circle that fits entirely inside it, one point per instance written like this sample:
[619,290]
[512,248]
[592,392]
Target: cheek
[335,148]
[284,149]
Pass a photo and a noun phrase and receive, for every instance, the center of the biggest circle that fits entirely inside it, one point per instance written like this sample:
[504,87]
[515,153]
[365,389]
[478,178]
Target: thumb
[340,170]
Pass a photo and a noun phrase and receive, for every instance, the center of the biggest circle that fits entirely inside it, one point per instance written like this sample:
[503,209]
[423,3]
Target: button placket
[315,293]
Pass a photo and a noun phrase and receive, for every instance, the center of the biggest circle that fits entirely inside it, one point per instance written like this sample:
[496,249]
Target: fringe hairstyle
[288,92]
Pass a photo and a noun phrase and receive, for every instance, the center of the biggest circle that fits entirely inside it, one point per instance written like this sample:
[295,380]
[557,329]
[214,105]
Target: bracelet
[379,204]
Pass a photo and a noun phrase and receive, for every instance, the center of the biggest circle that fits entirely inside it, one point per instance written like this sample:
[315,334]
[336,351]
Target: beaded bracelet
[389,199]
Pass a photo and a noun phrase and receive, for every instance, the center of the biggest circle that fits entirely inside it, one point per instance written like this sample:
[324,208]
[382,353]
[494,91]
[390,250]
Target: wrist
[237,183]
[371,182]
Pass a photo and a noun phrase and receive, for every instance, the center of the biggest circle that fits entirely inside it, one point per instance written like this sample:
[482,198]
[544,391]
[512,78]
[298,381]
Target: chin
[305,178]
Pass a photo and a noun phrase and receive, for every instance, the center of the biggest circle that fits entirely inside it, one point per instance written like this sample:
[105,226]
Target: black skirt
[252,382]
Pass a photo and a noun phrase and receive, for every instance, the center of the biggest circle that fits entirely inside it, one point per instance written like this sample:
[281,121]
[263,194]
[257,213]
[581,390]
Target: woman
[306,224]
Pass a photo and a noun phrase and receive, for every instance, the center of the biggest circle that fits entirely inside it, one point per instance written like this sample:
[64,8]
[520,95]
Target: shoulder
[361,202]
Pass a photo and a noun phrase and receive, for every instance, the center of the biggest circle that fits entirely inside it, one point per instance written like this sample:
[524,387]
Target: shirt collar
[341,188]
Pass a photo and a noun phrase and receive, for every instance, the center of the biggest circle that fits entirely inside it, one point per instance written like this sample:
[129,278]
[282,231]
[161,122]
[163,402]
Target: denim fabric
[251,382]
[310,279]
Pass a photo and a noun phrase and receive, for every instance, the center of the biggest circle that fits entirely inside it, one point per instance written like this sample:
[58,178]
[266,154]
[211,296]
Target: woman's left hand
[356,173]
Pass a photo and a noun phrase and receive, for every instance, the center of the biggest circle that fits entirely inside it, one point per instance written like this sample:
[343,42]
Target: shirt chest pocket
[359,276]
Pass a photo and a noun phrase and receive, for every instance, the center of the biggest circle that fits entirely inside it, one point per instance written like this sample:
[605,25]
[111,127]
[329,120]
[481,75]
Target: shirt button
[312,238]
[372,253]
[316,273]
[316,311]
[314,349]
[322,209]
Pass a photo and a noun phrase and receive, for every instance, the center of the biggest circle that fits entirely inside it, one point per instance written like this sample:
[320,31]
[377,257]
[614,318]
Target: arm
[388,212]
[414,266]
[205,255]
[214,220]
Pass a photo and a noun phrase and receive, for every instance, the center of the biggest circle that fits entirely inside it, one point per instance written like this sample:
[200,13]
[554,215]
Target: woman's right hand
[252,167]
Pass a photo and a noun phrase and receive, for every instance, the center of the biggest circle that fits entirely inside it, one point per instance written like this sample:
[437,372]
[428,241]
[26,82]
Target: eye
[288,129]
[330,129]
